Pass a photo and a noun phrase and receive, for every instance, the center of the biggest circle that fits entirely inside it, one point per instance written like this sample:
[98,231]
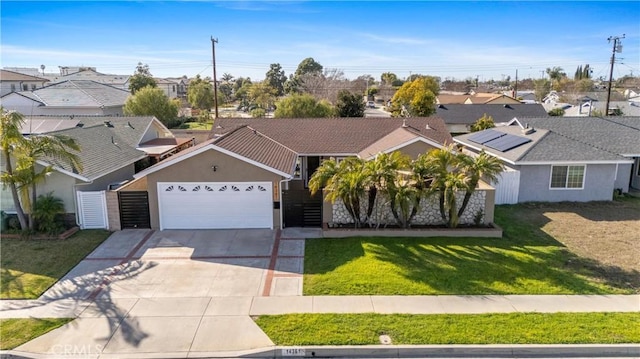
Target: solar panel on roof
[485,136]
[507,142]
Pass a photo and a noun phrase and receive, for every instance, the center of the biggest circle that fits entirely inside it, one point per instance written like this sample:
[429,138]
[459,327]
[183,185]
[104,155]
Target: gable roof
[398,138]
[244,143]
[614,134]
[80,93]
[129,129]
[102,151]
[93,75]
[553,140]
[334,136]
[6,75]
[469,114]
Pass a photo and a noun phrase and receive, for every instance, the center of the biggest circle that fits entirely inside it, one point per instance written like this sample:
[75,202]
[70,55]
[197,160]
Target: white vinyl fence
[92,210]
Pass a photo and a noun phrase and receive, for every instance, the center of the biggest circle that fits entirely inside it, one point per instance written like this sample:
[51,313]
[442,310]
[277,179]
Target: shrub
[46,213]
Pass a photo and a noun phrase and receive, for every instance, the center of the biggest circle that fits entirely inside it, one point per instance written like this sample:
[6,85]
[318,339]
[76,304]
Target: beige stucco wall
[198,169]
[415,149]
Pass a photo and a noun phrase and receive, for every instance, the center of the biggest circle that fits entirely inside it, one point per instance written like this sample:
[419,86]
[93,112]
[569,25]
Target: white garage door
[215,205]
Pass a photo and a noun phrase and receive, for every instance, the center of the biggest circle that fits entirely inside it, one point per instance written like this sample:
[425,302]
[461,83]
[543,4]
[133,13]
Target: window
[33,87]
[13,87]
[567,176]
[25,87]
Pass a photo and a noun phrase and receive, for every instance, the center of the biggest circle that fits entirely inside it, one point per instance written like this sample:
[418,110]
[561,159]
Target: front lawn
[30,267]
[197,125]
[15,332]
[512,328]
[527,260]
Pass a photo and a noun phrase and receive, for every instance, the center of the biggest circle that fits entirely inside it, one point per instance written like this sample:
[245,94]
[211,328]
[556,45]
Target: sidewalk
[436,304]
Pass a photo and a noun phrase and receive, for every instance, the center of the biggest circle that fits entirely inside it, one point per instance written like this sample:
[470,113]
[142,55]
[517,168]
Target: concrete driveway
[173,293]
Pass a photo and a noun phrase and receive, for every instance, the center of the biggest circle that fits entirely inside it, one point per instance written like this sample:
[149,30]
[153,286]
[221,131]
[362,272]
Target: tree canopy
[308,66]
[141,78]
[416,98]
[151,101]
[349,105]
[302,106]
[276,78]
[483,123]
[200,93]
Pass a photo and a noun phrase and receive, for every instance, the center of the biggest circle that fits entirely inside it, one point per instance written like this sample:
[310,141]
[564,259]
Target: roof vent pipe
[404,122]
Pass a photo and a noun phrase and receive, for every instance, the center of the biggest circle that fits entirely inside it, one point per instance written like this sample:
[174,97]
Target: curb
[388,351]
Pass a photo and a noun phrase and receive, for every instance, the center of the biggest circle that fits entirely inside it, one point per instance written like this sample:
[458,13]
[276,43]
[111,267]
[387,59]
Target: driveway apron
[177,293]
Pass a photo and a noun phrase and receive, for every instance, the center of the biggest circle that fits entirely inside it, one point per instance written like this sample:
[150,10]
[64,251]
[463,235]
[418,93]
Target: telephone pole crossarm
[617,47]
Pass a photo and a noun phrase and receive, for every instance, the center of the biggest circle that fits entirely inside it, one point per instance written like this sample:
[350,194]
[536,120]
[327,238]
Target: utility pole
[617,47]
[515,88]
[215,80]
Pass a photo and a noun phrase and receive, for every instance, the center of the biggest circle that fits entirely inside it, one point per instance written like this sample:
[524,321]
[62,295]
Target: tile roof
[81,93]
[89,74]
[469,114]
[333,136]
[6,75]
[249,143]
[102,151]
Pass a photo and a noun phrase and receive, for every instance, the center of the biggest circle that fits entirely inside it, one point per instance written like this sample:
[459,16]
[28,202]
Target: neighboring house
[631,93]
[616,108]
[71,97]
[90,74]
[181,83]
[477,98]
[14,82]
[459,118]
[112,149]
[254,173]
[169,87]
[557,159]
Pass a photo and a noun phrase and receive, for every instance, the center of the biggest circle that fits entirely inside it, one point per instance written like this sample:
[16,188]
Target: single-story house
[112,150]
[557,159]
[254,173]
[476,98]
[460,117]
[71,97]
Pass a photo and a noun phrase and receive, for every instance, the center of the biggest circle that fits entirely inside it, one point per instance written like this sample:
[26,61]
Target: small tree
[200,93]
[483,123]
[558,111]
[141,78]
[416,98]
[303,106]
[349,105]
[151,101]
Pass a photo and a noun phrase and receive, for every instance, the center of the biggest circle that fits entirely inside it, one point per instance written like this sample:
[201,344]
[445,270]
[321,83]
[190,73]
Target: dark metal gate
[301,209]
[134,209]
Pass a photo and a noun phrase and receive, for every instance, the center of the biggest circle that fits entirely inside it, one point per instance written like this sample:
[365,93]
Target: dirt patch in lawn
[606,232]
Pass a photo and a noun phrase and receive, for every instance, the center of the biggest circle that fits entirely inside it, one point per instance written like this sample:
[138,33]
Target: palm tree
[453,182]
[434,168]
[382,172]
[346,181]
[10,139]
[23,179]
[482,166]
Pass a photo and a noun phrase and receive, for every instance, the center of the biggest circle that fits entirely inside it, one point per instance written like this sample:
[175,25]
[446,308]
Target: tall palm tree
[10,139]
[482,166]
[23,179]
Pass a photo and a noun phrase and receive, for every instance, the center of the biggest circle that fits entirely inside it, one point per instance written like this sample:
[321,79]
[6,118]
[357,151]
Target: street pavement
[178,294]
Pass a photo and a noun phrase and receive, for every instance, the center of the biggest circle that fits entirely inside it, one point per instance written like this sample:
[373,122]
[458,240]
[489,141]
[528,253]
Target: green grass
[514,328]
[197,125]
[15,332]
[30,267]
[525,261]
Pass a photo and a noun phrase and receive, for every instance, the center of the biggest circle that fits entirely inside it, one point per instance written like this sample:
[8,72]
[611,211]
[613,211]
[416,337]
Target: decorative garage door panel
[215,205]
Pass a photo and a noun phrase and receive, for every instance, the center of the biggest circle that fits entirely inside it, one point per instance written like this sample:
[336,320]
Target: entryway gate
[301,209]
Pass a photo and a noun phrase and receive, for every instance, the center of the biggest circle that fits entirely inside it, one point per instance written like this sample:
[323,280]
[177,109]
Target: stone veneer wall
[428,214]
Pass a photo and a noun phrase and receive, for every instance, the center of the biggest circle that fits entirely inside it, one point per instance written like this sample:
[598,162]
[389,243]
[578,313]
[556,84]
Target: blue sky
[446,39]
